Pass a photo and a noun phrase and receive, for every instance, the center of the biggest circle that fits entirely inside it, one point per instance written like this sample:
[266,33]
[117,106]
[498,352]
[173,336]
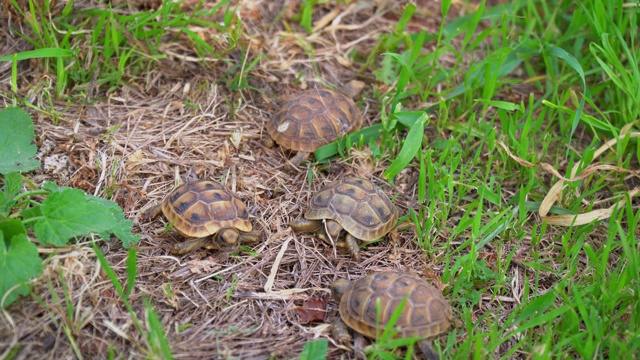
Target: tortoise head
[227,239]
[339,288]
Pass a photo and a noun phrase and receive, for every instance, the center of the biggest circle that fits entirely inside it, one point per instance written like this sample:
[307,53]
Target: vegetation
[513,131]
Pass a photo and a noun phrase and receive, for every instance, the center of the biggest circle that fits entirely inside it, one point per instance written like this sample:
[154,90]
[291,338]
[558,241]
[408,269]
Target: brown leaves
[312,309]
[555,193]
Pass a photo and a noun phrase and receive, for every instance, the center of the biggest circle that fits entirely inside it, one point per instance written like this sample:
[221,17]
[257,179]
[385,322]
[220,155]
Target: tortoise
[199,209]
[425,314]
[353,204]
[310,119]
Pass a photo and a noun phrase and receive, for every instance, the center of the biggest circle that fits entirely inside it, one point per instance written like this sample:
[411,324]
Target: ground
[183,120]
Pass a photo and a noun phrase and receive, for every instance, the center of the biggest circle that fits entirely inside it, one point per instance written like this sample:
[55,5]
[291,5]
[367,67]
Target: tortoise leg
[359,346]
[427,350]
[268,141]
[306,225]
[340,331]
[352,246]
[152,212]
[298,159]
[188,245]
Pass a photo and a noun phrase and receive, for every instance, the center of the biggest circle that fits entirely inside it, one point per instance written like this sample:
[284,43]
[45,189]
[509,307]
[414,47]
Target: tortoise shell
[313,118]
[359,206]
[201,208]
[425,314]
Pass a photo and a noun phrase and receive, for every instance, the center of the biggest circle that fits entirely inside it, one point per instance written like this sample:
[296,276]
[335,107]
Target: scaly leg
[352,246]
[188,245]
[427,350]
[297,160]
[306,225]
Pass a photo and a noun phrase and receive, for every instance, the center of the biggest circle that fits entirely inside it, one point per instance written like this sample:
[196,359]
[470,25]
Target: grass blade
[409,149]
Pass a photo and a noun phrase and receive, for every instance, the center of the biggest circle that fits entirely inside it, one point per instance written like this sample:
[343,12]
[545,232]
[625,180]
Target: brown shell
[426,313]
[201,208]
[313,118]
[362,208]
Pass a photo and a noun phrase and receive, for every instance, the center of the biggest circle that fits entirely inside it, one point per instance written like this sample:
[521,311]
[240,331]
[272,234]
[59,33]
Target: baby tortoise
[199,209]
[310,119]
[355,205]
[425,314]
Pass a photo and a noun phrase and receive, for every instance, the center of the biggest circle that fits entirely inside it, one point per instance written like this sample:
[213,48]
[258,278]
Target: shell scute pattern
[425,313]
[313,118]
[342,204]
[361,208]
[364,215]
[201,208]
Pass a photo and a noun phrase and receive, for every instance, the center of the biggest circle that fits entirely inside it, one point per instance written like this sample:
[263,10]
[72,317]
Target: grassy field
[505,132]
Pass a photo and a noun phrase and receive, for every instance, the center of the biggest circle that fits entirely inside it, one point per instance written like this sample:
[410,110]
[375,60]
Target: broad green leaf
[53,187]
[12,186]
[5,205]
[30,213]
[121,227]
[409,148]
[68,214]
[16,137]
[11,228]
[314,350]
[117,223]
[19,262]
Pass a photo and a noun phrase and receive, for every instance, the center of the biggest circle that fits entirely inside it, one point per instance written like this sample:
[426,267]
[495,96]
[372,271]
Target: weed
[64,214]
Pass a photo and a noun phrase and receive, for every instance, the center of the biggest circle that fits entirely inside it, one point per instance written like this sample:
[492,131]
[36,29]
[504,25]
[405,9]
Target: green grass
[591,80]
[554,291]
[102,49]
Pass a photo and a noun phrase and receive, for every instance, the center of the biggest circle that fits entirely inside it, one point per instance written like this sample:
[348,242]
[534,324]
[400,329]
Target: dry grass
[226,301]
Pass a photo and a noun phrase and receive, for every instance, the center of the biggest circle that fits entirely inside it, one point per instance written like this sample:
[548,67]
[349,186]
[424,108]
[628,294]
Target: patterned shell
[201,208]
[425,314]
[313,118]
[362,208]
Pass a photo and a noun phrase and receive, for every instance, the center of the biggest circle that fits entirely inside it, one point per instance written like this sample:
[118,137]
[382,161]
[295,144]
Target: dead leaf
[201,266]
[555,193]
[312,309]
[134,159]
